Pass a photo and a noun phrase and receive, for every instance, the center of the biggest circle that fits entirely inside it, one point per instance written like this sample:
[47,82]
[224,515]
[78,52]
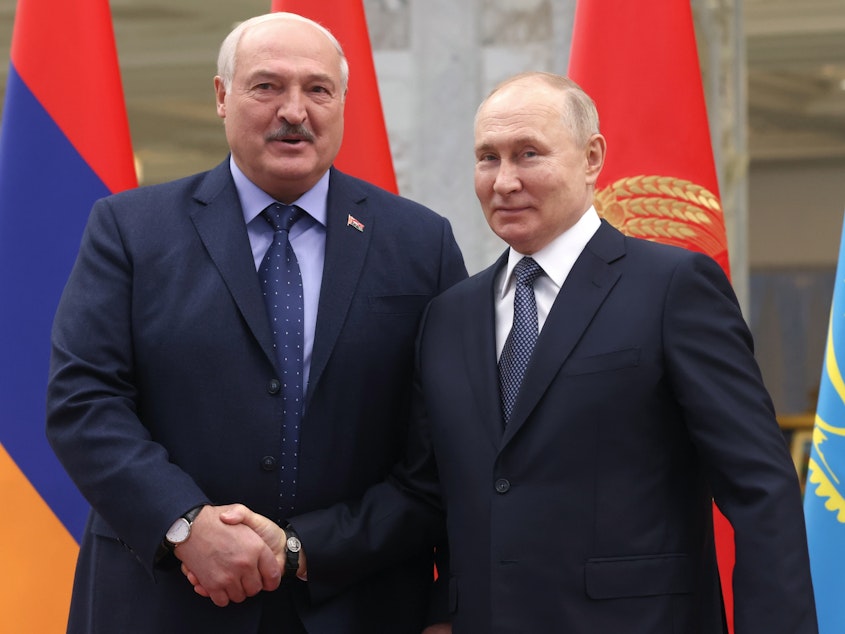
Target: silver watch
[292,548]
[180,530]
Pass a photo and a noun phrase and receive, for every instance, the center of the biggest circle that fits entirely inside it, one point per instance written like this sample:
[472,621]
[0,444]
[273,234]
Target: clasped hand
[233,553]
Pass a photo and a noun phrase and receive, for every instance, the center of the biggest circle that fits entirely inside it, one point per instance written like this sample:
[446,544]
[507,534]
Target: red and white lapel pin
[352,221]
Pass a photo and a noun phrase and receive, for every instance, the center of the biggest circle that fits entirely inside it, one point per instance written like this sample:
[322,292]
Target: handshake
[234,553]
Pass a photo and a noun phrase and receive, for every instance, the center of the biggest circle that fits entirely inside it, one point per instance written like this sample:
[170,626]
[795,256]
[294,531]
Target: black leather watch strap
[292,548]
[192,514]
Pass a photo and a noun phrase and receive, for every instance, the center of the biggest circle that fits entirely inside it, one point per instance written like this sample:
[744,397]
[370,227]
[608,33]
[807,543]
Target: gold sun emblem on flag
[822,474]
[826,458]
[664,209]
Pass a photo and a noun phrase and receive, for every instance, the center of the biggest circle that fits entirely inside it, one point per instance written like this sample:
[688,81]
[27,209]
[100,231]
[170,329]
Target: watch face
[179,531]
[293,544]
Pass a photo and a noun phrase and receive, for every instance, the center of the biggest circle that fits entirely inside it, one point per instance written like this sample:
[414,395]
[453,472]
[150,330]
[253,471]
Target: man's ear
[220,94]
[595,153]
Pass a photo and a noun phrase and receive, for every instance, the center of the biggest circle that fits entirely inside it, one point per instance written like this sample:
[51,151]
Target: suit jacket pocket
[628,358]
[99,527]
[617,577]
[398,304]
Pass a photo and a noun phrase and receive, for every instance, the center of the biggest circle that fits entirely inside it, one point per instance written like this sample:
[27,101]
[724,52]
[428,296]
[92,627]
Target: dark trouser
[279,615]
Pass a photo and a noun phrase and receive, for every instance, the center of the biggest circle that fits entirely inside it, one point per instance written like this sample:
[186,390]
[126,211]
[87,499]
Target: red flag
[639,62]
[64,143]
[365,151]
[659,180]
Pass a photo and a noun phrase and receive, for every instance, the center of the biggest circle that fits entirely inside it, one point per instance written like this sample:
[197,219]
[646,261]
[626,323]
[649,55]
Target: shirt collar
[558,257]
[254,200]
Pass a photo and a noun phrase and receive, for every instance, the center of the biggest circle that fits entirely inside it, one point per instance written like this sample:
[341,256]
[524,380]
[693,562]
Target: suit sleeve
[349,541]
[93,422]
[731,419]
[452,267]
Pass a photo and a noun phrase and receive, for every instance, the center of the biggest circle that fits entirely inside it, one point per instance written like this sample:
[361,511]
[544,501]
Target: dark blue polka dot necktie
[281,282]
[522,337]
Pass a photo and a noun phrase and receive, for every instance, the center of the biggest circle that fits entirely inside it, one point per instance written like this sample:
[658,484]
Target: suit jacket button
[274,386]
[502,485]
[268,463]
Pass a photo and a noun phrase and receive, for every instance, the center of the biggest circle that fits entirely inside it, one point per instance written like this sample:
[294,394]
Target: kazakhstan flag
[824,499]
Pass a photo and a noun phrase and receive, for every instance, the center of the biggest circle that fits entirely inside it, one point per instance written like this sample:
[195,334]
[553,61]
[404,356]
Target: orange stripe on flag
[38,557]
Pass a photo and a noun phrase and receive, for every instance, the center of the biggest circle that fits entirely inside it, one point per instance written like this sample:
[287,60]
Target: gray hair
[578,109]
[226,59]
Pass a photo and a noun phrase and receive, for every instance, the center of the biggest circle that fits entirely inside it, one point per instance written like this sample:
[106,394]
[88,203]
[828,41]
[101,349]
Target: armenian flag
[64,142]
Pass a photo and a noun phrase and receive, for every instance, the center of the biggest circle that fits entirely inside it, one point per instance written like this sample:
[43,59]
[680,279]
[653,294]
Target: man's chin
[292,167]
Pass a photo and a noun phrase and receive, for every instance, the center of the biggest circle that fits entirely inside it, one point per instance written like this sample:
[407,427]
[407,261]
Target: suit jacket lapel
[479,337]
[346,250]
[591,279]
[218,218]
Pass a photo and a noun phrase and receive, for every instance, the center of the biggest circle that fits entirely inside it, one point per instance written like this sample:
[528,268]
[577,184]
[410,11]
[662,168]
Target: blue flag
[824,499]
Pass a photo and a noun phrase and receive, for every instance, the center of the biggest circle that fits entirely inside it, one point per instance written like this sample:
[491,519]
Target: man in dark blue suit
[166,386]
[580,501]
[581,403]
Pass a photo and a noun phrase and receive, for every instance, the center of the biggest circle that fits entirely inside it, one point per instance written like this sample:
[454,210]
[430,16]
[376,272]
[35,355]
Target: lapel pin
[352,221]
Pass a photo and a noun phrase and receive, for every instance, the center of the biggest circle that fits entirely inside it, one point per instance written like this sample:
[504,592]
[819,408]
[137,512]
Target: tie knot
[281,217]
[526,271]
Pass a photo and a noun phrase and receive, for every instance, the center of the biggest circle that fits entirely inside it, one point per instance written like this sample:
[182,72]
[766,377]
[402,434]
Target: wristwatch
[180,530]
[292,548]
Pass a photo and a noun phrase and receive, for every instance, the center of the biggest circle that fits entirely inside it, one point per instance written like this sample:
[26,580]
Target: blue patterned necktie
[281,282]
[523,335]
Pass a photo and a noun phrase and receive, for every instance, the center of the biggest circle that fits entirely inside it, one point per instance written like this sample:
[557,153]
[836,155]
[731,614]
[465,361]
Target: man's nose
[507,178]
[292,107]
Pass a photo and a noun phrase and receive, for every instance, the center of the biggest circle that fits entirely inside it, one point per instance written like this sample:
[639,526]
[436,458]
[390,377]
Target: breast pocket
[606,362]
[398,304]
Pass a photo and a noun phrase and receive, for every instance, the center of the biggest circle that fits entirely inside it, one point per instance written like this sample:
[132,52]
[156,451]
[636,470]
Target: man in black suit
[167,383]
[579,488]
[581,403]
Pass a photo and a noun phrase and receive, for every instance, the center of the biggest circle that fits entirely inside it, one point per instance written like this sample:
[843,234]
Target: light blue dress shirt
[307,237]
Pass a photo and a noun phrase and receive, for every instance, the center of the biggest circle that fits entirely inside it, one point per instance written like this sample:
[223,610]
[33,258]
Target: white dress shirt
[556,259]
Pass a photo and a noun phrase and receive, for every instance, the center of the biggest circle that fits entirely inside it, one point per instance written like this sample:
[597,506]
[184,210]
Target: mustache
[286,130]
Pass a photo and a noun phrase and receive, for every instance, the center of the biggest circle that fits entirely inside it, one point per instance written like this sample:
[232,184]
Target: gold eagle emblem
[664,209]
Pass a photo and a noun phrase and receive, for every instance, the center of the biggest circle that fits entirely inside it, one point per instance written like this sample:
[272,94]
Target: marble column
[447,67]
[437,59]
[721,50]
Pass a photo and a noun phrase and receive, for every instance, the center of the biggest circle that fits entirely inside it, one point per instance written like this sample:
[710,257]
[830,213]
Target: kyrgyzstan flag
[639,62]
[365,151]
[64,142]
